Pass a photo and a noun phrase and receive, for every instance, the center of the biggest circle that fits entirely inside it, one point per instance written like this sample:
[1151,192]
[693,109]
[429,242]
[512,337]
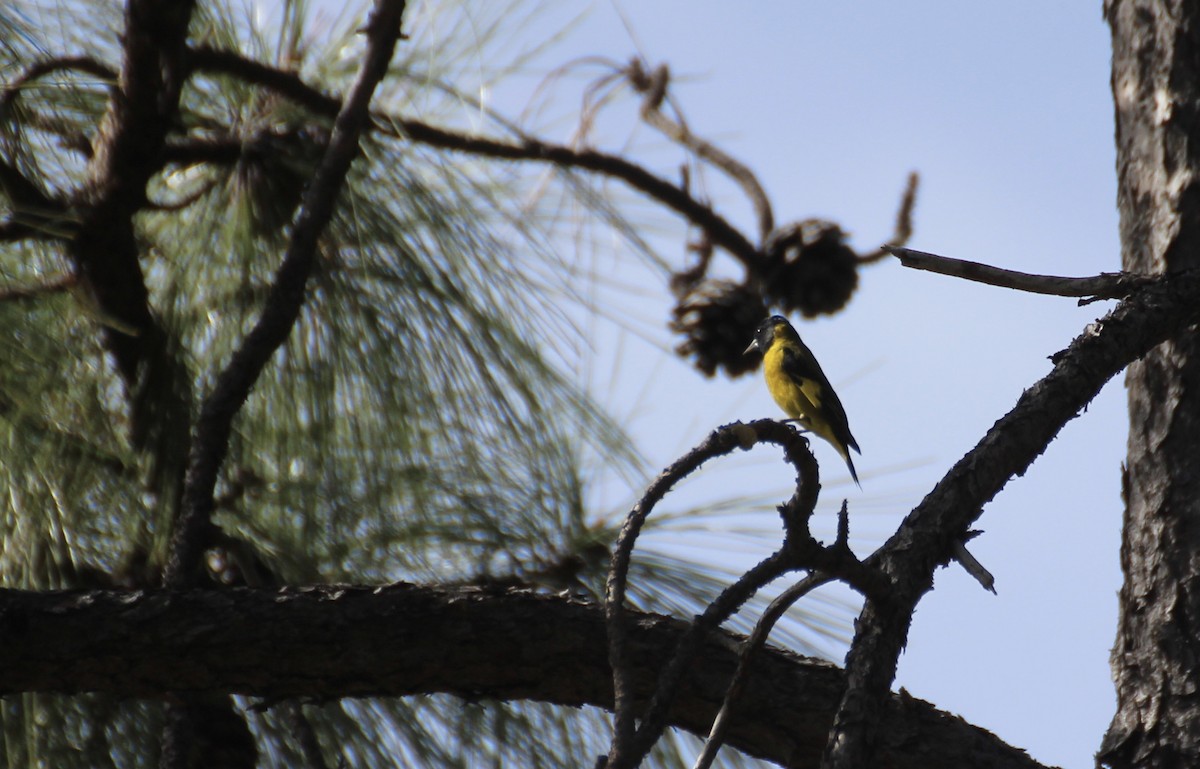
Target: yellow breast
[799,399]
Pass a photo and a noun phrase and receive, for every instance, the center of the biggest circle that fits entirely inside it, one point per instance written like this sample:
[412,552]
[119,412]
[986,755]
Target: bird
[796,382]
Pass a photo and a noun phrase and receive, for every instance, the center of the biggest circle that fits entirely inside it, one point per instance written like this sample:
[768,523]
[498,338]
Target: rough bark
[1156,89]
[337,641]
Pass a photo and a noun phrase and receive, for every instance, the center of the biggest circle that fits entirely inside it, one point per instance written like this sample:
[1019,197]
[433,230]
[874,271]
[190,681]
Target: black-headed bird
[799,386]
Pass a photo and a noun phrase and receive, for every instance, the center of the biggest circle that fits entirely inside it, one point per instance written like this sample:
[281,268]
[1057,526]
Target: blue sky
[1005,111]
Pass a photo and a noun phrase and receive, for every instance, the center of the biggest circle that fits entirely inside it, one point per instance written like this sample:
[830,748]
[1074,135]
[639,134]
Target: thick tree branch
[339,641]
[282,308]
[1158,311]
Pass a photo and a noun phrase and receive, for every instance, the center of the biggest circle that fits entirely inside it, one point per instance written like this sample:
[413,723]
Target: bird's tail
[850,464]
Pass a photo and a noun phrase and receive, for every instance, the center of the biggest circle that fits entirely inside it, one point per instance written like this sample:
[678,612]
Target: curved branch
[903,228]
[287,84]
[629,744]
[86,64]
[672,196]
[653,88]
[332,641]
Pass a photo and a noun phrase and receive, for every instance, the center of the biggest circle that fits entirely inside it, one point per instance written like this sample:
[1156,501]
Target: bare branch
[211,442]
[719,230]
[287,84]
[973,567]
[654,720]
[904,225]
[653,87]
[1109,285]
[721,441]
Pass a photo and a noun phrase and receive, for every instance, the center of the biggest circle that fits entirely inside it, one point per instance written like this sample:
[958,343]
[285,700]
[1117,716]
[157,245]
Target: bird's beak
[753,346]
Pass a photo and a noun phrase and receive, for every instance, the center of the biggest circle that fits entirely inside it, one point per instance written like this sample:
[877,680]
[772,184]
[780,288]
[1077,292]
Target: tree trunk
[1156,89]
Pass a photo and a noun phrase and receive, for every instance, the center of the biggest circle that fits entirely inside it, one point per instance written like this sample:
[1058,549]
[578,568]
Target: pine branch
[333,641]
[290,85]
[104,247]
[282,308]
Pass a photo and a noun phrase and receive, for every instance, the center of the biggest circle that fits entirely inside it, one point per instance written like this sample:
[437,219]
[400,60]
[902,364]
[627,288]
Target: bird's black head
[766,331]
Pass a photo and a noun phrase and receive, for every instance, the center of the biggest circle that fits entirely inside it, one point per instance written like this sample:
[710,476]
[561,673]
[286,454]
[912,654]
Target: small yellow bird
[799,386]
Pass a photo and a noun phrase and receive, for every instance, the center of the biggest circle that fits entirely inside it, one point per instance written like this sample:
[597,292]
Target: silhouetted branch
[674,197]
[1109,285]
[721,441]
[653,86]
[629,743]
[904,225]
[287,84]
[653,721]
